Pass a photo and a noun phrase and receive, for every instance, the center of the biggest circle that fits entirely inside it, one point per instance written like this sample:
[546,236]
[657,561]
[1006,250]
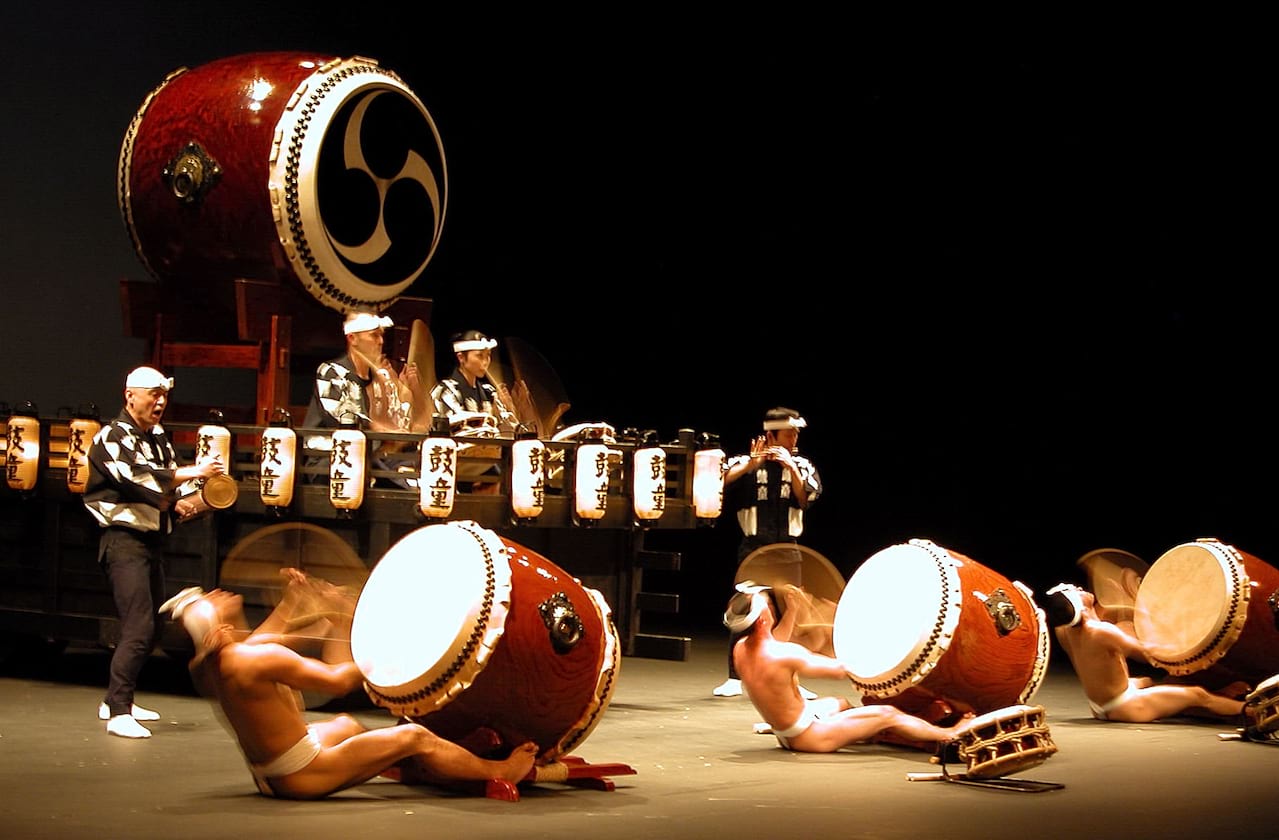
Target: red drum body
[1208,609]
[464,631]
[284,165]
[918,624]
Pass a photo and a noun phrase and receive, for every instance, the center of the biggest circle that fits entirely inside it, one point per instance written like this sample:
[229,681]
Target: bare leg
[862,723]
[1161,701]
[368,753]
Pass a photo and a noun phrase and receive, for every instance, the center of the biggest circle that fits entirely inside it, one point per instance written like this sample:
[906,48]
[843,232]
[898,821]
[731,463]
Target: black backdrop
[1015,286]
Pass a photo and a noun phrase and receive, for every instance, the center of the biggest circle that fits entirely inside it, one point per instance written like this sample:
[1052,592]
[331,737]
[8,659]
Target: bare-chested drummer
[770,667]
[257,682]
[1099,651]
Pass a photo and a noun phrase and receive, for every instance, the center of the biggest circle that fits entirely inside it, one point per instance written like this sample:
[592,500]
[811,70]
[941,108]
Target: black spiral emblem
[380,187]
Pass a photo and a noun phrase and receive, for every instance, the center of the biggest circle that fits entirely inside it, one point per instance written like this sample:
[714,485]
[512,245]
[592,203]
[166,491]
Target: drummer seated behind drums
[770,667]
[361,387]
[256,680]
[1099,651]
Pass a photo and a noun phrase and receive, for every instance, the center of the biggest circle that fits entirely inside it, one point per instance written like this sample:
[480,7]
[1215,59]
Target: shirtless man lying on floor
[257,679]
[1099,651]
[770,667]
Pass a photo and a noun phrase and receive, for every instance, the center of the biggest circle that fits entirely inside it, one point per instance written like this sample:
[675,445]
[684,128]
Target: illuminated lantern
[22,448]
[213,441]
[348,472]
[590,485]
[528,476]
[278,466]
[437,476]
[708,479]
[84,427]
[648,484]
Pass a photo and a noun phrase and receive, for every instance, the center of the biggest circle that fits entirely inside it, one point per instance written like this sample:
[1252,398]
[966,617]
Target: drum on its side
[279,166]
[918,623]
[464,631]
[1206,604]
[1005,741]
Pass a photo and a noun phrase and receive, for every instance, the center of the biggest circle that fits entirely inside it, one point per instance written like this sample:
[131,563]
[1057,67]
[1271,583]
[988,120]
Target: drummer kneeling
[255,680]
[770,666]
[1099,652]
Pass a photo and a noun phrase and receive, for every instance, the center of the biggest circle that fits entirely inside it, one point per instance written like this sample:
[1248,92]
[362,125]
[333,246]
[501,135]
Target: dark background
[1014,281]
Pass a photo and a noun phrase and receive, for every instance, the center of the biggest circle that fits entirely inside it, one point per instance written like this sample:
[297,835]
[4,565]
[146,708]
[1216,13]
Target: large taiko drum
[278,165]
[1206,606]
[464,631]
[918,623]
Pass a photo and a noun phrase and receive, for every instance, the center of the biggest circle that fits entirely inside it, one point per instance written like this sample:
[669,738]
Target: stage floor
[700,772]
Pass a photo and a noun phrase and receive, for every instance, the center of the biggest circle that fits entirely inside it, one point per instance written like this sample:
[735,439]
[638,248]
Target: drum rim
[926,652]
[442,681]
[1216,643]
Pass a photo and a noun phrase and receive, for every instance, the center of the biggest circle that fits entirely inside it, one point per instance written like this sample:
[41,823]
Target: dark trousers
[133,564]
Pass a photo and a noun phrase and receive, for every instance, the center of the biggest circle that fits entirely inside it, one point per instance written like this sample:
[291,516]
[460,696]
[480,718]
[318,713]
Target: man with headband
[1099,651]
[359,387]
[132,492]
[770,668]
[256,677]
[768,489]
[469,391]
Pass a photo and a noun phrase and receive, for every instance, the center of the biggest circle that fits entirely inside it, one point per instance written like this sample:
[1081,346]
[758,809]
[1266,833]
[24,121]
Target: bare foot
[515,768]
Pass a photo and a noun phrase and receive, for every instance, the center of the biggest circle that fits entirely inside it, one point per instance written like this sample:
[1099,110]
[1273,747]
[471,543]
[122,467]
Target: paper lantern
[708,479]
[348,468]
[22,448]
[437,481]
[84,427]
[648,481]
[277,470]
[590,486]
[528,477]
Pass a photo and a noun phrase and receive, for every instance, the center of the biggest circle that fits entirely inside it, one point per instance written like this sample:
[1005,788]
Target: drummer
[134,492]
[1099,651]
[255,680]
[770,667]
[768,489]
[468,389]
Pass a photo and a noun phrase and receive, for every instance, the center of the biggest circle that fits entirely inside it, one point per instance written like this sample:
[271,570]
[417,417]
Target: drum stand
[1017,785]
[567,770]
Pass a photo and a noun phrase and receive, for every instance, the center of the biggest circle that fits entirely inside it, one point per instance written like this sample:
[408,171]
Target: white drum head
[1186,600]
[887,621]
[432,608]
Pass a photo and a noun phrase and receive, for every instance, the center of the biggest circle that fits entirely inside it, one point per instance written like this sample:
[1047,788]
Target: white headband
[365,321]
[474,344]
[148,378]
[1072,595]
[785,423]
[739,622]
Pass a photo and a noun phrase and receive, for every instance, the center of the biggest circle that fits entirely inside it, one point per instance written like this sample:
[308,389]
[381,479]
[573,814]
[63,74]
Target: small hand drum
[1261,711]
[1005,741]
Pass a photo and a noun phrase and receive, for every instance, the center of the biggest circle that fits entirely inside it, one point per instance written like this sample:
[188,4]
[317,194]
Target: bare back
[770,672]
[1098,652]
[256,685]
